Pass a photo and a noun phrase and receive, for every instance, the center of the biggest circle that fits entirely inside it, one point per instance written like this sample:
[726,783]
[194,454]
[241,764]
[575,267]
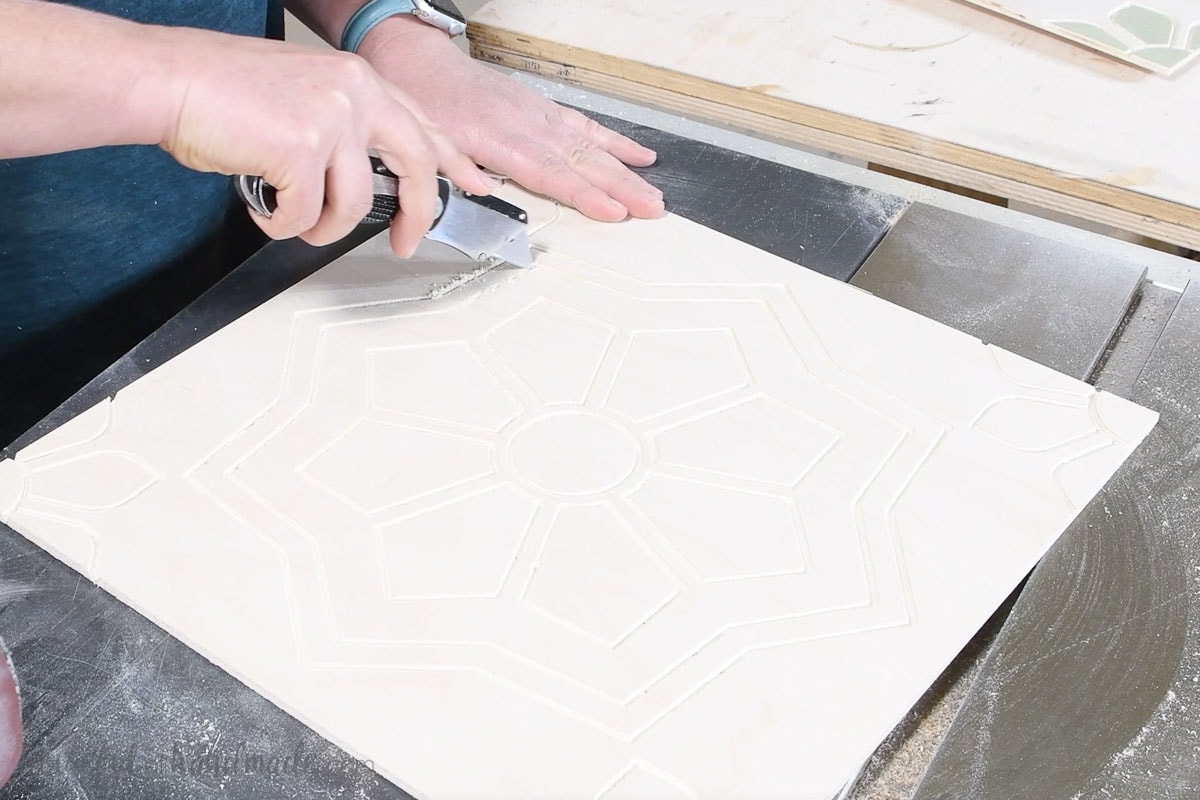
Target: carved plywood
[1159,35]
[664,517]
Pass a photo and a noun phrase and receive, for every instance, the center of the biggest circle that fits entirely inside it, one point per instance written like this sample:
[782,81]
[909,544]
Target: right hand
[304,119]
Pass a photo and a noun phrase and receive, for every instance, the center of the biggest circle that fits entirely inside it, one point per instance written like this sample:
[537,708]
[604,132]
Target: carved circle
[572,454]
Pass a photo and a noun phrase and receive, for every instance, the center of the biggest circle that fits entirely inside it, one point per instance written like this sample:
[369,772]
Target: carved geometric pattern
[621,526]
[1163,36]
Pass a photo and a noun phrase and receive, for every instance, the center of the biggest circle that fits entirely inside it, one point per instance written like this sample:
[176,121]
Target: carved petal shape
[445,382]
[374,466]
[666,370]
[761,440]
[554,349]
[724,533]
[1034,425]
[596,577]
[639,783]
[460,550]
[97,481]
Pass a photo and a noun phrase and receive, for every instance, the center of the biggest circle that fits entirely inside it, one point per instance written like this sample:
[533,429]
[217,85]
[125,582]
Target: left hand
[510,129]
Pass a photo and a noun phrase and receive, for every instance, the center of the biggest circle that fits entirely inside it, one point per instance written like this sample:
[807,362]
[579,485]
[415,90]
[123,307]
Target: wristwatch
[441,14]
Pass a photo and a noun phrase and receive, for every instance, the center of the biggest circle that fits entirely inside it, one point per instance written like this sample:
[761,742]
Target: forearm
[74,79]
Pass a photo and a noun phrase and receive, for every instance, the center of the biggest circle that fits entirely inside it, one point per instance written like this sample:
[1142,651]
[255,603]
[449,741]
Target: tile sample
[662,517]
[983,272]
[821,223]
[1159,35]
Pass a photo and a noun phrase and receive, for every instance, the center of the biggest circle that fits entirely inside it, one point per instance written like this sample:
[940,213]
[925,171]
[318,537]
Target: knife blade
[487,229]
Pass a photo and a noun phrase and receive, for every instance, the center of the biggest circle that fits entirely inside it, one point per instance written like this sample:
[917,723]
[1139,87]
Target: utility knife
[489,230]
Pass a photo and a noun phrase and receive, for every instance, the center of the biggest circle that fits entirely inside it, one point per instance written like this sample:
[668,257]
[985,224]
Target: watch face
[448,8]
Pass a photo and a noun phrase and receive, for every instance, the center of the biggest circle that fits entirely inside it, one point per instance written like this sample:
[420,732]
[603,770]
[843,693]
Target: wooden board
[934,87]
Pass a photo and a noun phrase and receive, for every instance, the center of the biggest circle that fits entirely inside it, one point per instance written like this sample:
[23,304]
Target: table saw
[1082,685]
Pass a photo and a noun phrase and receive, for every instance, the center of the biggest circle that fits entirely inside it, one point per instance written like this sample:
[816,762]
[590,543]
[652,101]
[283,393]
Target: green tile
[1091,31]
[1193,42]
[1147,24]
[1166,56]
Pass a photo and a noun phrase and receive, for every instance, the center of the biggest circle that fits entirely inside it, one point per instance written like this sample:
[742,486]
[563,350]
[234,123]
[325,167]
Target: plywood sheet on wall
[938,88]
[1159,35]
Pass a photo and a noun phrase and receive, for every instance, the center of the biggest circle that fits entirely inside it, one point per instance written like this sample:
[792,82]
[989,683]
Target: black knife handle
[261,198]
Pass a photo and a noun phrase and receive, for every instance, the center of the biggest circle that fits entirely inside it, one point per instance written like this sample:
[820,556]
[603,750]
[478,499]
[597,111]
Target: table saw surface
[1082,685]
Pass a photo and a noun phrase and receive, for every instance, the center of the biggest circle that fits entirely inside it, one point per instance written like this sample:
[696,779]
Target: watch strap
[374,12]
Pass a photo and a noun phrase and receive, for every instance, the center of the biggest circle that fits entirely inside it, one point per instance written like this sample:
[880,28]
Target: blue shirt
[99,247]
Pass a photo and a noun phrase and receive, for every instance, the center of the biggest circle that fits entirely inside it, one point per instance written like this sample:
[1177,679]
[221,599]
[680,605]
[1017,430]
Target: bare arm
[76,79]
[302,118]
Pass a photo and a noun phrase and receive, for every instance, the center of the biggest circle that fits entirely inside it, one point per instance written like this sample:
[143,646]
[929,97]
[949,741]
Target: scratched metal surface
[1060,304]
[1092,689]
[827,225]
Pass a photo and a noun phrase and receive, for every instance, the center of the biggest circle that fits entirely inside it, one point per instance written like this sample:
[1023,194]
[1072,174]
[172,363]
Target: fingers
[588,178]
[621,147]
[550,174]
[416,198]
[348,198]
[576,161]
[299,199]
[603,170]
[600,155]
[413,148]
[407,150]
[460,169]
[326,190]
[626,149]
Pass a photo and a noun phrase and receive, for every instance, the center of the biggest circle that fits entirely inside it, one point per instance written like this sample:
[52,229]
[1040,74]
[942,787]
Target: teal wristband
[367,17]
[376,11]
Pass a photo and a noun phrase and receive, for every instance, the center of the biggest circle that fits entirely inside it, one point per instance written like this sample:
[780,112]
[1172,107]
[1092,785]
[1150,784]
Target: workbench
[1081,685]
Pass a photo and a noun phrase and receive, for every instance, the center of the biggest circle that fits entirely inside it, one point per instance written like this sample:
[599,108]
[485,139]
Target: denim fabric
[99,247]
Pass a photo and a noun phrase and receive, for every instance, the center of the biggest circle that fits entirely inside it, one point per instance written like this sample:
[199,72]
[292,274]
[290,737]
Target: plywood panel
[664,516]
[934,87]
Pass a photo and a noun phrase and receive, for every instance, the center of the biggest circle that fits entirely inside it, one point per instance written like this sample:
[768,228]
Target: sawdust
[474,278]
[876,209]
[897,767]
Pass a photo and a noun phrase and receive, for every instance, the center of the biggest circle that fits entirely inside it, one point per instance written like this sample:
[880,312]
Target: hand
[511,129]
[304,119]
